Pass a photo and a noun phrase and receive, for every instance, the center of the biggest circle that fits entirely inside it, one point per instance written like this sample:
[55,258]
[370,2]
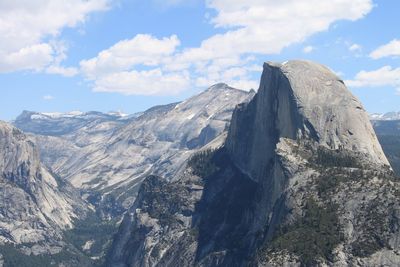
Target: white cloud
[116,69]
[153,82]
[172,3]
[245,84]
[387,50]
[260,27]
[143,49]
[266,27]
[250,28]
[67,72]
[59,56]
[26,26]
[339,73]
[33,57]
[355,48]
[237,77]
[48,97]
[308,49]
[385,76]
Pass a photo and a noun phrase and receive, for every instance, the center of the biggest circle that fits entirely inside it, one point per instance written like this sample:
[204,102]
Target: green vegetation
[162,200]
[334,167]
[375,229]
[15,258]
[328,183]
[202,163]
[311,237]
[339,167]
[391,147]
[330,179]
[335,158]
[315,235]
[92,228]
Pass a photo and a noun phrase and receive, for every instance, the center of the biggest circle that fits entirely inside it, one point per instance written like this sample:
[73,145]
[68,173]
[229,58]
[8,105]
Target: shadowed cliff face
[254,130]
[301,164]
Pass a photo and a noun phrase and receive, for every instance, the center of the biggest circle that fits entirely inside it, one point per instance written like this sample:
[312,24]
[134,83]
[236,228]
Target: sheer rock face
[296,100]
[34,205]
[301,180]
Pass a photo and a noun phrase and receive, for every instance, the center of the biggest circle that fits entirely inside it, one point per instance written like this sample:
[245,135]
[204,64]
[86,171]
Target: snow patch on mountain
[389,116]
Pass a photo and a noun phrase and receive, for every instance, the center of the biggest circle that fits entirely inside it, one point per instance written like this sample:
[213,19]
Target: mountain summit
[300,100]
[300,181]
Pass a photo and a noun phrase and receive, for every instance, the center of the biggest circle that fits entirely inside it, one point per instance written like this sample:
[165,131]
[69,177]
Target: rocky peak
[328,108]
[17,152]
[300,100]
[34,205]
[301,181]
[220,86]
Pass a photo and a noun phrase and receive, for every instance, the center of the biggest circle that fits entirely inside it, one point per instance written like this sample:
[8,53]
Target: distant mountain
[385,116]
[388,132]
[58,124]
[108,156]
[387,128]
[300,181]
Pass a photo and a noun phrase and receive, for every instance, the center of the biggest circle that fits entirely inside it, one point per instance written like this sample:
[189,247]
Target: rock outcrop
[300,100]
[35,206]
[300,181]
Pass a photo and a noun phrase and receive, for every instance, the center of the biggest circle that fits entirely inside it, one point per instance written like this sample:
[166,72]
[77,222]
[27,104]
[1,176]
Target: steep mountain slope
[35,206]
[300,181]
[111,158]
[388,132]
[161,140]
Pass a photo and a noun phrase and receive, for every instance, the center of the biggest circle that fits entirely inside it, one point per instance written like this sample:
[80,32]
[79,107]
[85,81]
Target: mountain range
[300,181]
[112,154]
[389,116]
[293,175]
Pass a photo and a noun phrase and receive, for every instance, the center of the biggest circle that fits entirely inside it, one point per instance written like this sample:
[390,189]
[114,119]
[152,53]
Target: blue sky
[125,55]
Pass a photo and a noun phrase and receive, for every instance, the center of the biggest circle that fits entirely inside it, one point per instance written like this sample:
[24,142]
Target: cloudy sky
[128,55]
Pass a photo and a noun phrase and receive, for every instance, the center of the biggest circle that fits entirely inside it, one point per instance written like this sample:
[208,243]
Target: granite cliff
[300,181]
[36,207]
